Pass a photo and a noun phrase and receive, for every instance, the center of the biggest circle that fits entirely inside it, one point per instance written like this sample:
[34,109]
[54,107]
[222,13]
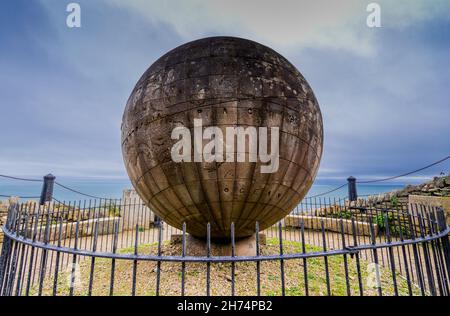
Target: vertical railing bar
[420,253]
[429,271]
[183,263]
[358,264]
[408,278]
[44,255]
[26,234]
[335,209]
[383,213]
[375,257]
[283,286]
[258,263]
[5,251]
[133,286]
[95,218]
[15,253]
[58,258]
[33,249]
[347,279]
[408,248]
[158,264]
[81,214]
[113,260]
[325,258]
[74,260]
[233,264]
[398,248]
[208,264]
[434,244]
[440,248]
[305,261]
[416,256]
[391,254]
[126,210]
[67,233]
[94,249]
[445,241]
[39,219]
[22,257]
[89,208]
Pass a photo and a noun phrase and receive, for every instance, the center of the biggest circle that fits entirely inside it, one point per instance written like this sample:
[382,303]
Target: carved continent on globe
[225,82]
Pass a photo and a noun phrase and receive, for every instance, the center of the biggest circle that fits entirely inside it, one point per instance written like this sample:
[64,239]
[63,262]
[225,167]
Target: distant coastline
[113,188]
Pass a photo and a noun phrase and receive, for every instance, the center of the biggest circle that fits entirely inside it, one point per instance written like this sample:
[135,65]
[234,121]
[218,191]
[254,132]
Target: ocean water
[112,188]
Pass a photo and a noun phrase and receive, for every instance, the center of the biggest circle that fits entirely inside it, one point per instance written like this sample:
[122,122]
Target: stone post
[352,194]
[47,189]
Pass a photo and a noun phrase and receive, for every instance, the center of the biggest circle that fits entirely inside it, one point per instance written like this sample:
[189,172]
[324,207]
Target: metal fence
[324,247]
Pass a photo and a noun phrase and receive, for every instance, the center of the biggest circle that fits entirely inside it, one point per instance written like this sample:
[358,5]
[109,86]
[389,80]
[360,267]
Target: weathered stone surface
[134,212]
[106,226]
[439,187]
[226,82]
[330,224]
[431,202]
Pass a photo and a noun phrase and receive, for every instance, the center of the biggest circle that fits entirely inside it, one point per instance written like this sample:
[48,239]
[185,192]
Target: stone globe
[200,91]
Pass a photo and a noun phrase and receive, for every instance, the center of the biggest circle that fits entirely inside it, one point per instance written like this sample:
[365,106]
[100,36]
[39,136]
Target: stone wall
[330,224]
[438,187]
[105,226]
[132,212]
[432,201]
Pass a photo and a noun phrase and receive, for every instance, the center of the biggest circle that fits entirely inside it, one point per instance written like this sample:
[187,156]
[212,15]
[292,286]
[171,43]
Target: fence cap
[49,177]
[351,178]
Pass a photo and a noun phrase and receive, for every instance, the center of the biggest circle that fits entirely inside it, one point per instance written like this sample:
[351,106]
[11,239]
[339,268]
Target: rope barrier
[21,179]
[81,193]
[314,196]
[406,174]
[328,192]
[382,180]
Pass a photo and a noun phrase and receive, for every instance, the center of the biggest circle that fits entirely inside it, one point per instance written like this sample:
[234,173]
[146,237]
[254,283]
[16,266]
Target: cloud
[293,24]
[383,93]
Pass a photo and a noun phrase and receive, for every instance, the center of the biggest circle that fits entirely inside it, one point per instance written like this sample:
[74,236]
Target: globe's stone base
[197,247]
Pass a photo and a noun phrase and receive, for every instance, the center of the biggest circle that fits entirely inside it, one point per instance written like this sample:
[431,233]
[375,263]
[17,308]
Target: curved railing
[332,249]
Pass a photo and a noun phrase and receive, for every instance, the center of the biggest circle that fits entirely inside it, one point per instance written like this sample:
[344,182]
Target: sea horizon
[113,187]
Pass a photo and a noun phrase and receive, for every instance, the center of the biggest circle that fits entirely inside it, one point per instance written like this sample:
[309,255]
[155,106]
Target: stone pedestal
[198,247]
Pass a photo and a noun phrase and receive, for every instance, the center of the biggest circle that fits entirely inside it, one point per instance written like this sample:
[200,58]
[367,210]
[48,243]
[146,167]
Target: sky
[383,92]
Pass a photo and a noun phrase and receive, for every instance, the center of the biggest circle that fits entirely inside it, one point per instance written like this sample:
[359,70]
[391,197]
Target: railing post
[352,194]
[47,189]
[157,221]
